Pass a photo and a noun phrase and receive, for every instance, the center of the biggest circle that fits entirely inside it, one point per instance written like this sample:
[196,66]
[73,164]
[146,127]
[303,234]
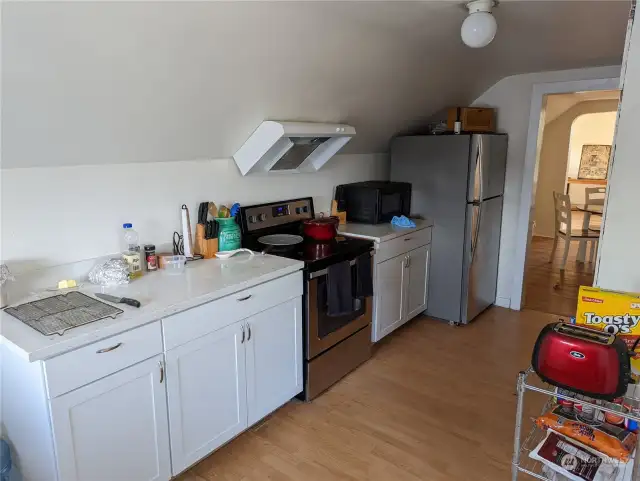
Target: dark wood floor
[544,289]
[435,403]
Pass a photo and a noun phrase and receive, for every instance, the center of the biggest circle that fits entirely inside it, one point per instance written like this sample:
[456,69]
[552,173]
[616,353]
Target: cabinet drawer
[403,244]
[214,315]
[87,364]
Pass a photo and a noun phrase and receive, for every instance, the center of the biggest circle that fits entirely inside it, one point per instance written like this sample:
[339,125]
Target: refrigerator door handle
[476,232]
[481,167]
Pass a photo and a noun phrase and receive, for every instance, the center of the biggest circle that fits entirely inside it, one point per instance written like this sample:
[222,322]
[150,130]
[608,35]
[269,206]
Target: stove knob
[262,217]
[305,209]
[298,210]
[252,219]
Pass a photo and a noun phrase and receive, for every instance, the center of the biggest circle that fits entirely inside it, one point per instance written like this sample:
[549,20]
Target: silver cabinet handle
[249,328]
[244,298]
[242,341]
[408,261]
[108,349]
[408,239]
[161,371]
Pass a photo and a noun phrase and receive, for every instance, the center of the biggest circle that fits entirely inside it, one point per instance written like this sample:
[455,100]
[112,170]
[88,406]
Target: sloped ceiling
[116,82]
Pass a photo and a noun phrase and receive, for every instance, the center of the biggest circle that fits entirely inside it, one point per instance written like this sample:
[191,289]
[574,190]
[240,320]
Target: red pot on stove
[317,250]
[321,229]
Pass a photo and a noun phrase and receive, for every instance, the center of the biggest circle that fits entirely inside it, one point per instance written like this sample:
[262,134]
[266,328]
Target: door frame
[531,159]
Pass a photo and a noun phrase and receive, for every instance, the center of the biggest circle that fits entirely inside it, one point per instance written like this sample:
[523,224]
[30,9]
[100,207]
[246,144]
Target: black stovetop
[316,255]
[287,217]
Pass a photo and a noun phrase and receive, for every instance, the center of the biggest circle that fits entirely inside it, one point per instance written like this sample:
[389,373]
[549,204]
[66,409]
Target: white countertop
[160,294]
[381,232]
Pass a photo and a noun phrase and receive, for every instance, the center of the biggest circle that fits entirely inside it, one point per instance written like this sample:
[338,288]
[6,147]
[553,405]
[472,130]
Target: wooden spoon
[213,209]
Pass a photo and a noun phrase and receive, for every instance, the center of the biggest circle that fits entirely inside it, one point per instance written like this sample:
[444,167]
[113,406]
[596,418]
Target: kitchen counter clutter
[401,271]
[208,354]
[160,295]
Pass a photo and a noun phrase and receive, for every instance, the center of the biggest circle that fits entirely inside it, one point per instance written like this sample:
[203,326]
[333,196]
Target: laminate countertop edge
[161,296]
[381,232]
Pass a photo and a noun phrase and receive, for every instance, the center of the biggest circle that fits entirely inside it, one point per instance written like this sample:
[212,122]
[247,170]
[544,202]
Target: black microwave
[374,202]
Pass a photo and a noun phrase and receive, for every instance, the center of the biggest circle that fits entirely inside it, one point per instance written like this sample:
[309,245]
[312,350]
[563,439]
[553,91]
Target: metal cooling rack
[57,314]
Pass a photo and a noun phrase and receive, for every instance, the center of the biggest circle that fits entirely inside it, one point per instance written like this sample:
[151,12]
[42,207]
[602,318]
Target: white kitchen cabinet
[223,382]
[114,428]
[401,273]
[389,289]
[274,358]
[206,389]
[417,281]
[149,401]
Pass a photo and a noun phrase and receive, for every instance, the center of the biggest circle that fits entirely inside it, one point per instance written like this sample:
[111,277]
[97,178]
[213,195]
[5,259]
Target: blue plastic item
[402,221]
[5,460]
[235,209]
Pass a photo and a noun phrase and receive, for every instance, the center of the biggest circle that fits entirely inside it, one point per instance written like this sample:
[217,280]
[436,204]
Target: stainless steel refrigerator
[458,181]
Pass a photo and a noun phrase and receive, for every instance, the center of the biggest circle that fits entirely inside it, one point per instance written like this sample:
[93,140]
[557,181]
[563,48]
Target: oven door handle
[323,272]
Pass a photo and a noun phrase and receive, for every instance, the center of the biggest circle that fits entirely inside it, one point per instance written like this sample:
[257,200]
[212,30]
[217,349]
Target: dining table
[588,210]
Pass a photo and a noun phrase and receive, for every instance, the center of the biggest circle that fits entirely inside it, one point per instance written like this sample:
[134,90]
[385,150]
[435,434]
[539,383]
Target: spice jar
[150,257]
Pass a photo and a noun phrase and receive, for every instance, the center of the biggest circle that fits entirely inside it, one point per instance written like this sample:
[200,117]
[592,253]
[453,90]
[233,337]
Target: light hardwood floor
[434,403]
[544,289]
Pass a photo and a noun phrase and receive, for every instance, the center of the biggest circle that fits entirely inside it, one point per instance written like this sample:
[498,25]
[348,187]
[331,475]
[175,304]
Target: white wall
[512,97]
[594,129]
[64,214]
[619,252]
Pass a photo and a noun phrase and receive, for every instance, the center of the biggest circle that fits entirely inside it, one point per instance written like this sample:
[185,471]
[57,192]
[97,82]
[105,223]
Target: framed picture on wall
[594,162]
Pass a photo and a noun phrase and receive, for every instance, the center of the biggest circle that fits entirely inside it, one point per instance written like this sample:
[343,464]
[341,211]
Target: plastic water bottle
[131,250]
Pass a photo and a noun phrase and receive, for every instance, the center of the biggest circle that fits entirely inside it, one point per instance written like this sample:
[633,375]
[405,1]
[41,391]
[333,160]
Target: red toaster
[582,360]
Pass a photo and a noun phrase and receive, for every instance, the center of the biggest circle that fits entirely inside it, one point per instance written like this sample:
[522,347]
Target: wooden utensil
[213,209]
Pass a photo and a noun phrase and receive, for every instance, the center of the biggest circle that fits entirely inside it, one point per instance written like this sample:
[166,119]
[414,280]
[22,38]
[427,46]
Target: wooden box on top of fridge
[611,311]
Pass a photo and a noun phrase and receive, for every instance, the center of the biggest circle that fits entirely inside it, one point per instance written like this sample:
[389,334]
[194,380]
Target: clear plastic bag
[113,272]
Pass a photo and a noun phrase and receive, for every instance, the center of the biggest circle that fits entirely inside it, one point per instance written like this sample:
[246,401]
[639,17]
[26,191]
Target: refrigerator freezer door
[487,166]
[480,264]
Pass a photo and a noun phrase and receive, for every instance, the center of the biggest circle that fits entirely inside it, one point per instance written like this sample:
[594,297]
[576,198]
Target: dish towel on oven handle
[339,289]
[364,278]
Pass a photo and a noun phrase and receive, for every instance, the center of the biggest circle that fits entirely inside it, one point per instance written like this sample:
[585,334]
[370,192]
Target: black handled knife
[118,300]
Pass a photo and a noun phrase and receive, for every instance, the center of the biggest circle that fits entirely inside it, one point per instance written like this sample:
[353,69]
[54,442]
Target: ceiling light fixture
[479,28]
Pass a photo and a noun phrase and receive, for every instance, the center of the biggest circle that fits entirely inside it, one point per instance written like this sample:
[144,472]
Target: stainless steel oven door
[324,331]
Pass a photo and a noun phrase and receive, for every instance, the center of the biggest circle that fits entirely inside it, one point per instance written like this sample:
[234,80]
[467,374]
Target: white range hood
[291,146]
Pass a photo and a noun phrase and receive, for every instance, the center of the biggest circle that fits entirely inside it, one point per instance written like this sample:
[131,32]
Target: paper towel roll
[186,232]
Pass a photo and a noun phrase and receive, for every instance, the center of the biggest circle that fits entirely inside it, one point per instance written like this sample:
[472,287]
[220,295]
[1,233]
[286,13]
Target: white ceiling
[114,82]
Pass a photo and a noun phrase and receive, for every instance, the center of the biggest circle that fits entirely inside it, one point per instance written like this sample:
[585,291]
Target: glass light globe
[478,29]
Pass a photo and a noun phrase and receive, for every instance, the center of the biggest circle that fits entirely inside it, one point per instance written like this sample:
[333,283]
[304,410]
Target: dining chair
[592,196]
[562,205]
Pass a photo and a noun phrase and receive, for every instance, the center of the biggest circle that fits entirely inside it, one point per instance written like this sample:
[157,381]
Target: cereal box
[611,311]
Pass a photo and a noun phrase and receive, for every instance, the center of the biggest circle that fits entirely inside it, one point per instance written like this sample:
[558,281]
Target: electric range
[333,345]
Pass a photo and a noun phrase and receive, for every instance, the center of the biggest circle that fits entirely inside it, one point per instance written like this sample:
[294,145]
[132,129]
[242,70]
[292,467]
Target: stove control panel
[277,213]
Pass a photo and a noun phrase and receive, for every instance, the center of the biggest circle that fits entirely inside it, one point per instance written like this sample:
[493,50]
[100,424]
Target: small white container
[175,265]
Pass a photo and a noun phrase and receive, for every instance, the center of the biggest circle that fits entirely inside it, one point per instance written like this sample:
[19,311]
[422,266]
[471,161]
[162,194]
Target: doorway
[570,177]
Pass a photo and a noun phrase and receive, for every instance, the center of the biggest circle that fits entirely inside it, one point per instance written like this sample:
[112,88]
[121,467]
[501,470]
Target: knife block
[207,248]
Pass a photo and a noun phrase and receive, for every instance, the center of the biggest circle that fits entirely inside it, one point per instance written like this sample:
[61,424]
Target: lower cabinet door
[114,428]
[418,281]
[206,389]
[390,292]
[274,358]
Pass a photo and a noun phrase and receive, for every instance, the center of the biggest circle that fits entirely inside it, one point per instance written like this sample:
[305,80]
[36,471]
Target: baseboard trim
[503,302]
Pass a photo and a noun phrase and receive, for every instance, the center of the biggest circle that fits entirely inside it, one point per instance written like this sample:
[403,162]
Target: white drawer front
[214,315]
[400,245]
[87,364]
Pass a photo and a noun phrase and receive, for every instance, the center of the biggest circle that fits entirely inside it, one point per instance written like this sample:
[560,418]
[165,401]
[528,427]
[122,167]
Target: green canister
[229,235]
